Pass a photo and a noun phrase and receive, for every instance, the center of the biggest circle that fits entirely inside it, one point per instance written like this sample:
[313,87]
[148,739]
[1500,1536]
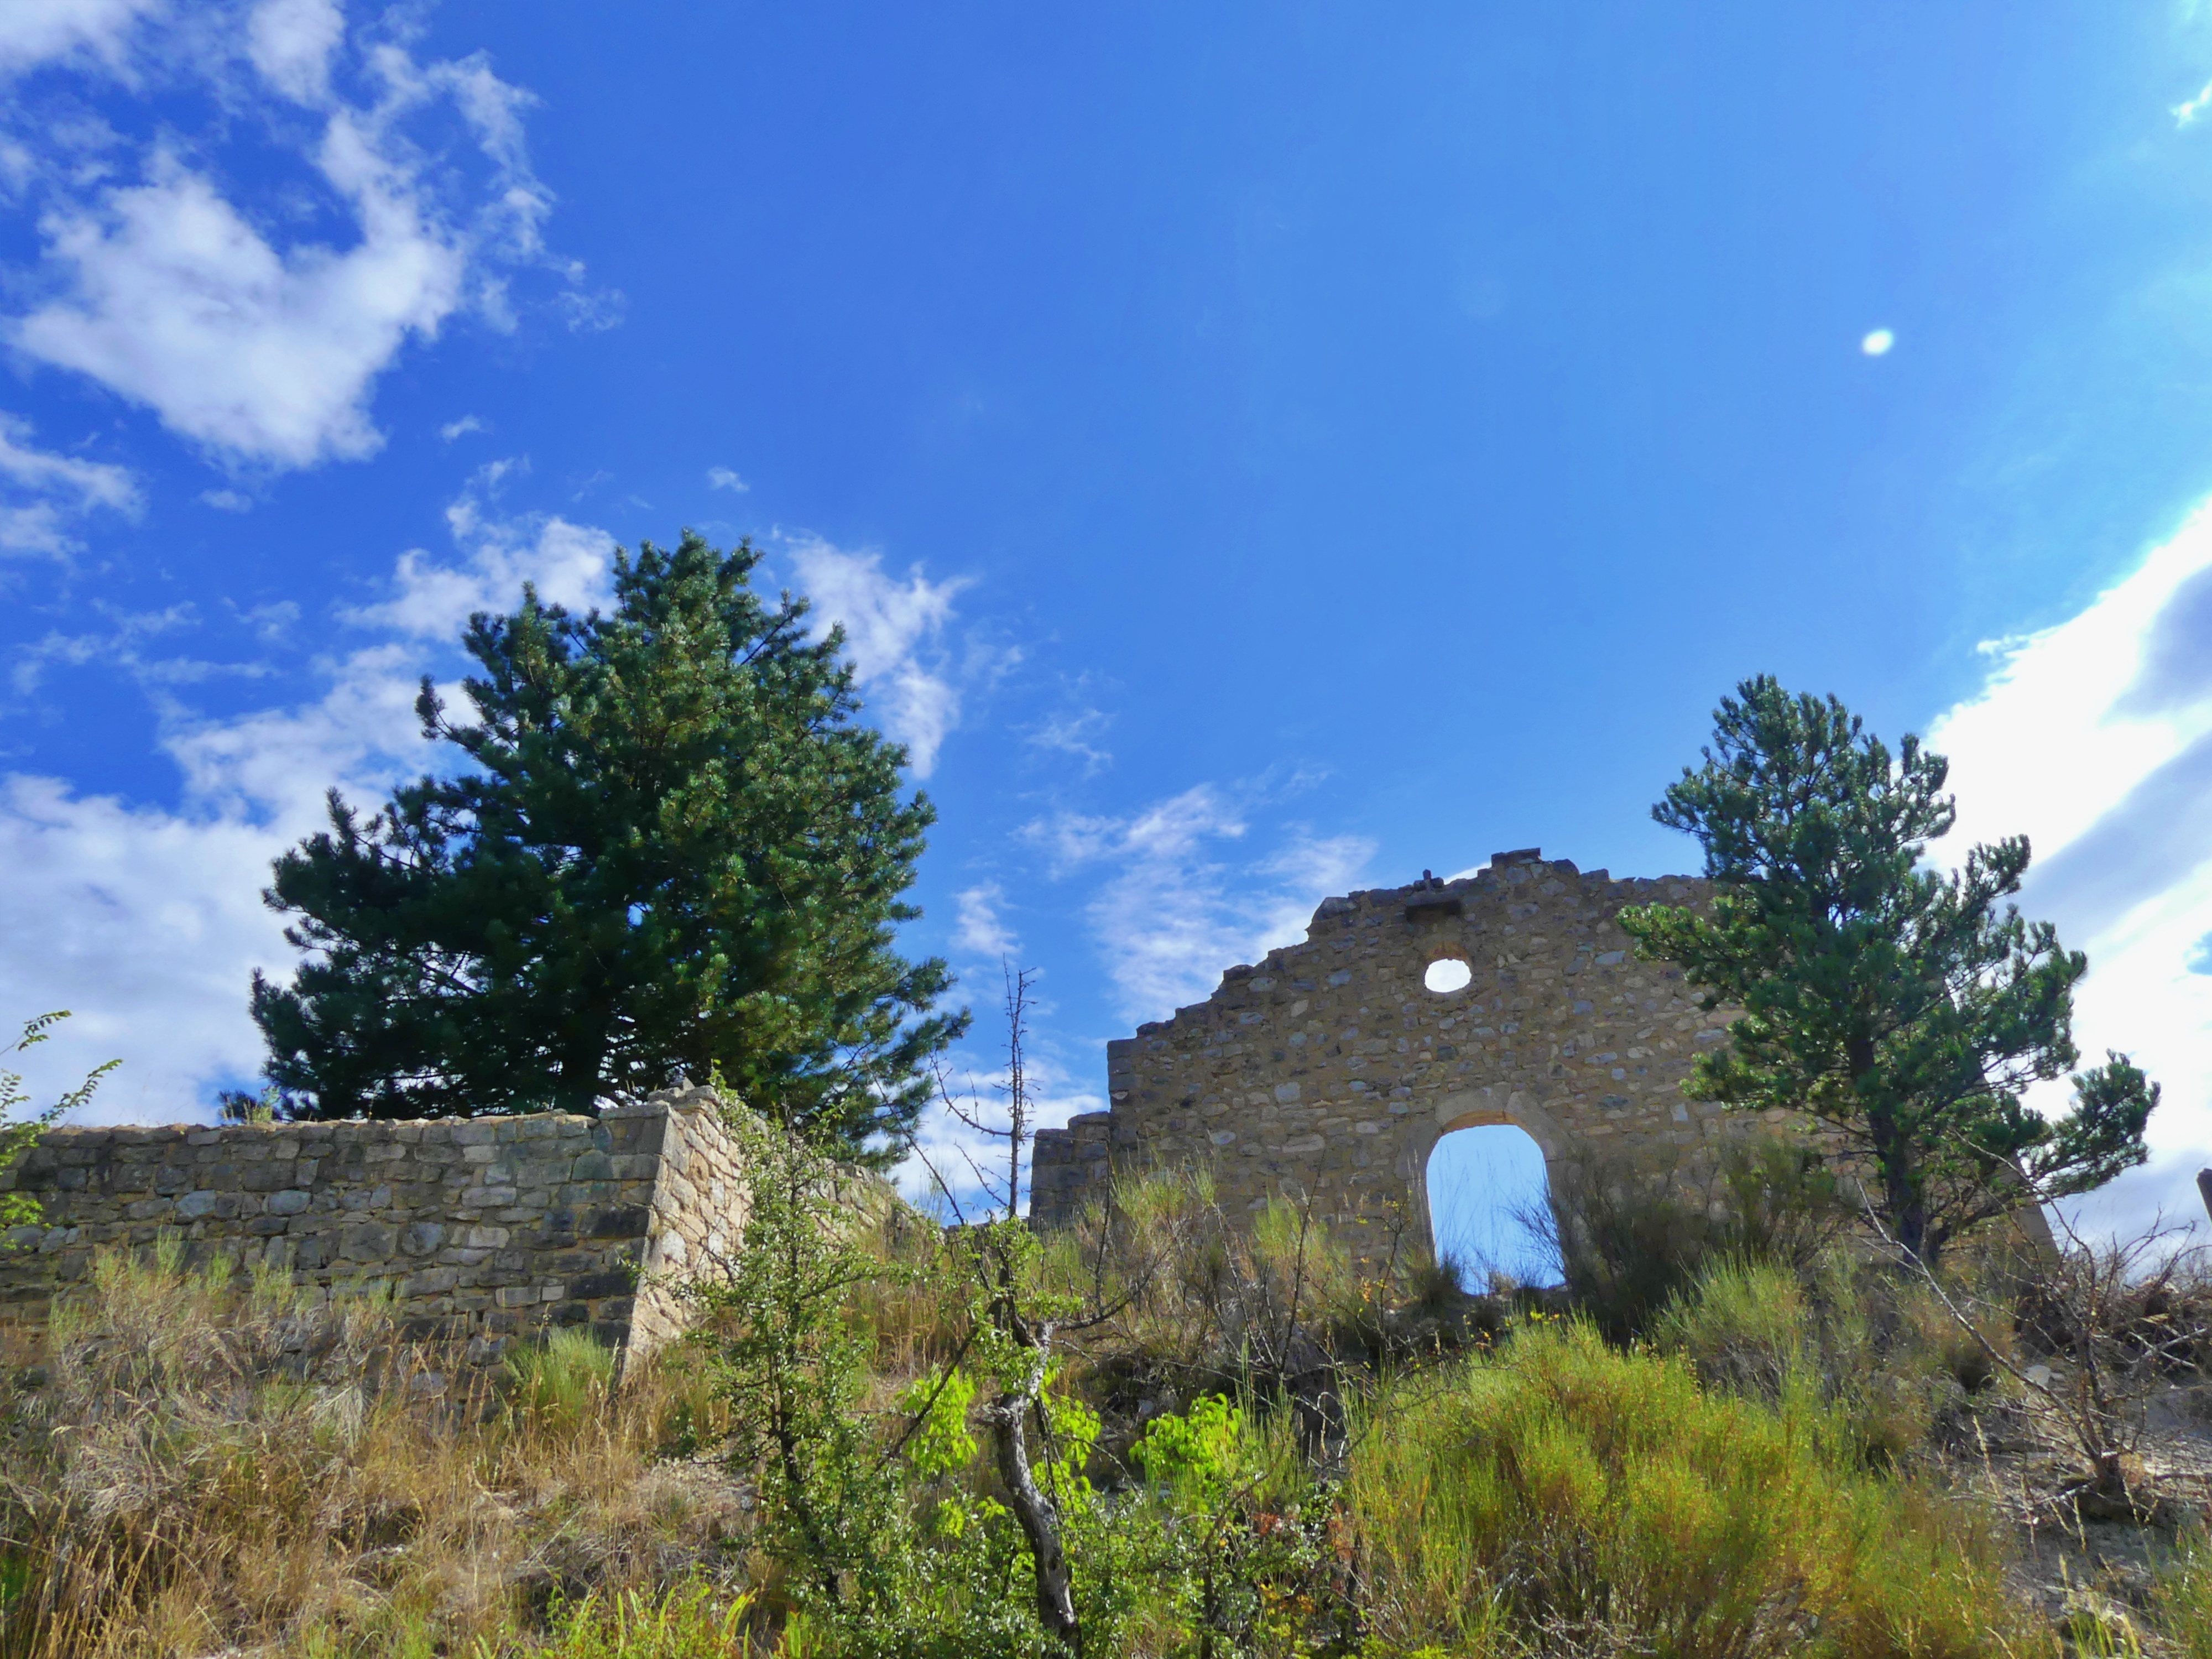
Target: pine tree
[669,846]
[1906,1009]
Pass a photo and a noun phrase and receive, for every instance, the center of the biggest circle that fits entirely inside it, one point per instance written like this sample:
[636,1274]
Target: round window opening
[1447,974]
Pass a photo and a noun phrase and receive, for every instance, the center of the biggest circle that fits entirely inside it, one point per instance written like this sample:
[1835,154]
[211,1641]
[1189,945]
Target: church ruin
[1329,1072]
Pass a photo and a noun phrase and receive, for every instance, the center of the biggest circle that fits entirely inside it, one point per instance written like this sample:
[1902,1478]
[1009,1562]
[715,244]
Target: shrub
[19,1130]
[1565,1496]
[1881,1351]
[1633,1235]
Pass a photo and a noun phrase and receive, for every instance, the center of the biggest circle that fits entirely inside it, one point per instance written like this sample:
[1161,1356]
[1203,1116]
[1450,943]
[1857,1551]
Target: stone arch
[1481,1182]
[1474,1109]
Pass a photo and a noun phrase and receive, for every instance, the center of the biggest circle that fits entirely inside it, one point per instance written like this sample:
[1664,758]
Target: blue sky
[1258,450]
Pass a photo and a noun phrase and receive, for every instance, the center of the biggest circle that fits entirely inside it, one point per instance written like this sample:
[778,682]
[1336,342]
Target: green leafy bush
[19,1134]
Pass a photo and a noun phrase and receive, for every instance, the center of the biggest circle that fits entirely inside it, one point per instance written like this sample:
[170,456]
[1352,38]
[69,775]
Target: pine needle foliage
[667,845]
[1906,1008]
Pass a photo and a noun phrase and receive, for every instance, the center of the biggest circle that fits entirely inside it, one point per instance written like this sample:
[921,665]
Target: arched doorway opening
[1484,1183]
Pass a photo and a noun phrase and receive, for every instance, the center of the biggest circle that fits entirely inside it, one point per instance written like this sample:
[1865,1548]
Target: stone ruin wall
[1329,1072]
[479,1229]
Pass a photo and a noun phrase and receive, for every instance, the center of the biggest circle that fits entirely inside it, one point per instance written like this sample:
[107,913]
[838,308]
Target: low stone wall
[479,1230]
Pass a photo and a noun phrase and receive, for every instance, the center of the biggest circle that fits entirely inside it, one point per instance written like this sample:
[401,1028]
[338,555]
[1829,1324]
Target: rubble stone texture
[478,1229]
[1327,1072]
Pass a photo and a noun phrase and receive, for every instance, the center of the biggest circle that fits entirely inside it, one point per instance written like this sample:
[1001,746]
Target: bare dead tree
[1017,1320]
[2104,1306]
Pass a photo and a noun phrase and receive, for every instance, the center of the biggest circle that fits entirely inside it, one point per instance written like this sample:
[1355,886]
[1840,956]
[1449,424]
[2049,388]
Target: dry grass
[208,1462]
[203,1461]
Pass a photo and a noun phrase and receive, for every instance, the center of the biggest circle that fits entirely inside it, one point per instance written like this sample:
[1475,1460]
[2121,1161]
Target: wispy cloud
[42,495]
[462,428]
[128,643]
[721,478]
[1078,732]
[1176,906]
[2186,113]
[978,931]
[2093,737]
[147,917]
[895,629]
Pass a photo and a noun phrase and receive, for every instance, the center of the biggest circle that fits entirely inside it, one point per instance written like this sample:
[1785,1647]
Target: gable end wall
[1327,1072]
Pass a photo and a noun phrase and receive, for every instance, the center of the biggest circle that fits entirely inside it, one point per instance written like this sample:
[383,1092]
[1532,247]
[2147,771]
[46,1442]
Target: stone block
[620,1221]
[591,1286]
[367,1241]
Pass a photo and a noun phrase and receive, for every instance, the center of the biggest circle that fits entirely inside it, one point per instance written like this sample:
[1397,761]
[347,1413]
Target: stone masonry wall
[479,1228]
[1329,1072]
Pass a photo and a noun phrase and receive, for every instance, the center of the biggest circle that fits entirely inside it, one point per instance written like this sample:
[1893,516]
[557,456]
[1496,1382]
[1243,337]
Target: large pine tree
[669,847]
[1907,1009]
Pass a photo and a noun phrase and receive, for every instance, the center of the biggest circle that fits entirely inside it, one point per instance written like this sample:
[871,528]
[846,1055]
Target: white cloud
[42,495]
[2185,114]
[432,600]
[721,478]
[228,500]
[2093,737]
[1877,342]
[147,920]
[894,631]
[177,302]
[1173,912]
[36,31]
[291,42]
[978,929]
[173,295]
[462,428]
